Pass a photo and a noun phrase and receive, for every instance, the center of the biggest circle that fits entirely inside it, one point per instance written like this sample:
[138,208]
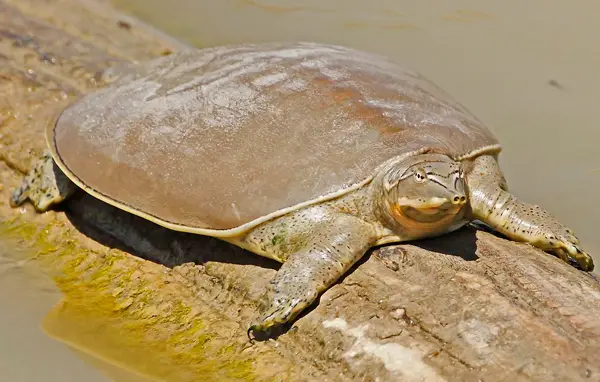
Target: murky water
[41,340]
[27,354]
[530,70]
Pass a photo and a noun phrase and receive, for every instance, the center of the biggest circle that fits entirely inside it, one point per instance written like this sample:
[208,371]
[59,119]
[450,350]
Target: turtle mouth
[436,210]
[429,214]
[421,204]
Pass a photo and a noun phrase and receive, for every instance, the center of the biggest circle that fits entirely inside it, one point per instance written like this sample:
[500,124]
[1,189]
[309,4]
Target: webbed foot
[44,185]
[560,240]
[282,310]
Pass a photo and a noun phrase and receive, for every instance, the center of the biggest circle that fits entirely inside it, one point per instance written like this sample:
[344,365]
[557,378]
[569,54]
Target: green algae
[157,338]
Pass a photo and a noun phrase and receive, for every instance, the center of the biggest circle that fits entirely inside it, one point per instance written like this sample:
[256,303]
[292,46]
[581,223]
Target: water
[529,70]
[40,341]
[27,353]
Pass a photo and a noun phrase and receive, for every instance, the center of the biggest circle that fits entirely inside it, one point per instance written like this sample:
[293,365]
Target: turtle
[303,152]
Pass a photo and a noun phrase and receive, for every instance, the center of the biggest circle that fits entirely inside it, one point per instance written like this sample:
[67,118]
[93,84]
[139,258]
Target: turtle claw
[279,313]
[262,328]
[584,260]
[19,195]
[575,253]
[566,247]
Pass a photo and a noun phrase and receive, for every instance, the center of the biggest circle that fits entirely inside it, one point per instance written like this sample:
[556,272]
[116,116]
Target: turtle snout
[459,199]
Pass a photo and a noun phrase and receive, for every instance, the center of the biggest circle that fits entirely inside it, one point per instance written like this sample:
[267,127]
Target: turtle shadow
[115,228]
[461,243]
[118,229]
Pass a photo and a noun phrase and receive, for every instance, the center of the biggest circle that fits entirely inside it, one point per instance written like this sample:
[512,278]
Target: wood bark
[469,306]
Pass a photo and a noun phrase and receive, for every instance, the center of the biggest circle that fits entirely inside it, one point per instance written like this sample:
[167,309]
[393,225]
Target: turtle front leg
[44,185]
[333,246]
[495,206]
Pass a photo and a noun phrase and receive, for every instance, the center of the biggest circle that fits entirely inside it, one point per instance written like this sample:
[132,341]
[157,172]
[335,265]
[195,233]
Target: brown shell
[226,137]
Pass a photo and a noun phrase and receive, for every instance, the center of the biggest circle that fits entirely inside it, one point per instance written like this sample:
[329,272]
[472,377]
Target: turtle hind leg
[496,207]
[45,185]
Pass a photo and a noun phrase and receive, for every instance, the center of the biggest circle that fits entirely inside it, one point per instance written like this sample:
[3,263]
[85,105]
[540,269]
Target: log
[468,306]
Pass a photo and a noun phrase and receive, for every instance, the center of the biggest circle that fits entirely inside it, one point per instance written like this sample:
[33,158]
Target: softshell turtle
[306,153]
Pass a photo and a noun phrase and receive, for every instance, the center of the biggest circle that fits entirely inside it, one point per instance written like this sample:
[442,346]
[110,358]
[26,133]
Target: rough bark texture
[468,306]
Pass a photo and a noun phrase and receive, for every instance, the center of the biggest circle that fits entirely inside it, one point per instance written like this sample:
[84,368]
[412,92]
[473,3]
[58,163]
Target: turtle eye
[420,175]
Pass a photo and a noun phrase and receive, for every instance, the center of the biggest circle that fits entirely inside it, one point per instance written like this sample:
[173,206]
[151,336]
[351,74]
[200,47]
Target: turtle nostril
[459,199]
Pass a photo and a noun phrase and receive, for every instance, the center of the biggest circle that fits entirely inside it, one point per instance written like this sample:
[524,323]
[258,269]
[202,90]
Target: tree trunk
[468,306]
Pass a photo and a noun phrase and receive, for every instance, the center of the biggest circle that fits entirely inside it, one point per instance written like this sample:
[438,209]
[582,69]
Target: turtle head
[425,194]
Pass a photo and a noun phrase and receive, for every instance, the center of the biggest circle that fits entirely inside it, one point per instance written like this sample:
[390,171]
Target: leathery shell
[217,140]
